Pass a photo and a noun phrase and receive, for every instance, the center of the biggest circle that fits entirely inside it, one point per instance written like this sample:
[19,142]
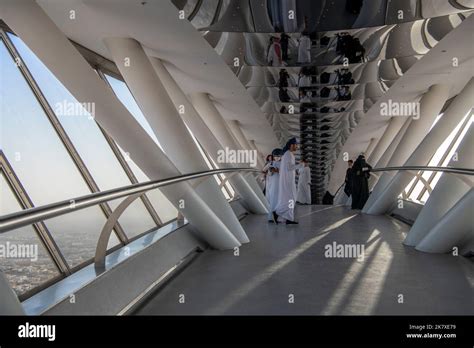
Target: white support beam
[53,48]
[393,128]
[214,120]
[458,108]
[250,198]
[448,191]
[161,114]
[430,106]
[453,230]
[383,160]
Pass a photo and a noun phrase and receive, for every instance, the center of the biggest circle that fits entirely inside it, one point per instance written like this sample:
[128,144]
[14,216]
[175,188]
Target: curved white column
[430,106]
[370,147]
[215,122]
[454,230]
[236,130]
[168,126]
[261,157]
[251,200]
[449,190]
[382,162]
[393,128]
[54,49]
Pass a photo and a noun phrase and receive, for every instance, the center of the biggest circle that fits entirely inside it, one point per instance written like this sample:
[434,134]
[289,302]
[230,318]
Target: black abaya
[360,183]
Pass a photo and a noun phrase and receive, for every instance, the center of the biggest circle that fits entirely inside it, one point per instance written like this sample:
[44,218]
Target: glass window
[88,140]
[227,190]
[43,165]
[162,205]
[465,123]
[122,92]
[441,158]
[23,258]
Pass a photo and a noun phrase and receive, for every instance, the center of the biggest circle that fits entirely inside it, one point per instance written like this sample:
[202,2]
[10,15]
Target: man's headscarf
[289,143]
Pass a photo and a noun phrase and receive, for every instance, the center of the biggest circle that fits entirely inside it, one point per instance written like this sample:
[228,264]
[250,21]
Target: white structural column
[260,155]
[430,106]
[448,191]
[383,160]
[168,126]
[206,138]
[390,149]
[394,126]
[54,49]
[235,128]
[370,147]
[261,158]
[453,230]
[214,120]
[457,109]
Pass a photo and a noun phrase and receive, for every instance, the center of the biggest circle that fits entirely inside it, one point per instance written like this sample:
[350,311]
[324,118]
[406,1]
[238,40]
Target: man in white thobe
[304,185]
[272,176]
[304,50]
[274,54]
[287,185]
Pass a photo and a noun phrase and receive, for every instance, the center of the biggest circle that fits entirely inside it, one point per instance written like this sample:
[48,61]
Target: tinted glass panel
[23,258]
[88,140]
[42,163]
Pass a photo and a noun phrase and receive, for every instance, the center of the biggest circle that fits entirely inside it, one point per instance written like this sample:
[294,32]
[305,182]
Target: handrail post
[101,248]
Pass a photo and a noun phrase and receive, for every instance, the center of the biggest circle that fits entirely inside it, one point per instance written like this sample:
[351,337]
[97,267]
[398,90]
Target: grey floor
[284,270]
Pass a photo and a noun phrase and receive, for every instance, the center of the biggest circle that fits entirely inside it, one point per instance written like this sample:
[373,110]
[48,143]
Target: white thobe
[304,188]
[287,186]
[271,188]
[304,50]
[273,57]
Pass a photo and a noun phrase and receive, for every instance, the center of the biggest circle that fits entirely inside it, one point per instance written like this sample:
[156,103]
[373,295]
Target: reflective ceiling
[315,67]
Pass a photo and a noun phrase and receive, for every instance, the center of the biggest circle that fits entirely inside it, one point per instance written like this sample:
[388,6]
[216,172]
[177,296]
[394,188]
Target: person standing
[284,40]
[284,78]
[271,171]
[274,57]
[360,182]
[268,160]
[348,179]
[304,184]
[304,49]
[287,185]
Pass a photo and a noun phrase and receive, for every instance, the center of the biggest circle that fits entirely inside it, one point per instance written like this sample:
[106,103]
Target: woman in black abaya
[360,182]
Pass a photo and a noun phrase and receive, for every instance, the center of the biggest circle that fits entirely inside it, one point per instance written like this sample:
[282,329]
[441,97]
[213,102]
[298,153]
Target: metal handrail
[29,216]
[453,170]
[464,171]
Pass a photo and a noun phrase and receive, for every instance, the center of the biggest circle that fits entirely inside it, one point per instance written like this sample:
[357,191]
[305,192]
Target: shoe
[289,222]
[271,221]
[275,217]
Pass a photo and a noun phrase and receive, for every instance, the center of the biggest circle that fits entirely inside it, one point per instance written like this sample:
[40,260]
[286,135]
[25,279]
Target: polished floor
[285,270]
